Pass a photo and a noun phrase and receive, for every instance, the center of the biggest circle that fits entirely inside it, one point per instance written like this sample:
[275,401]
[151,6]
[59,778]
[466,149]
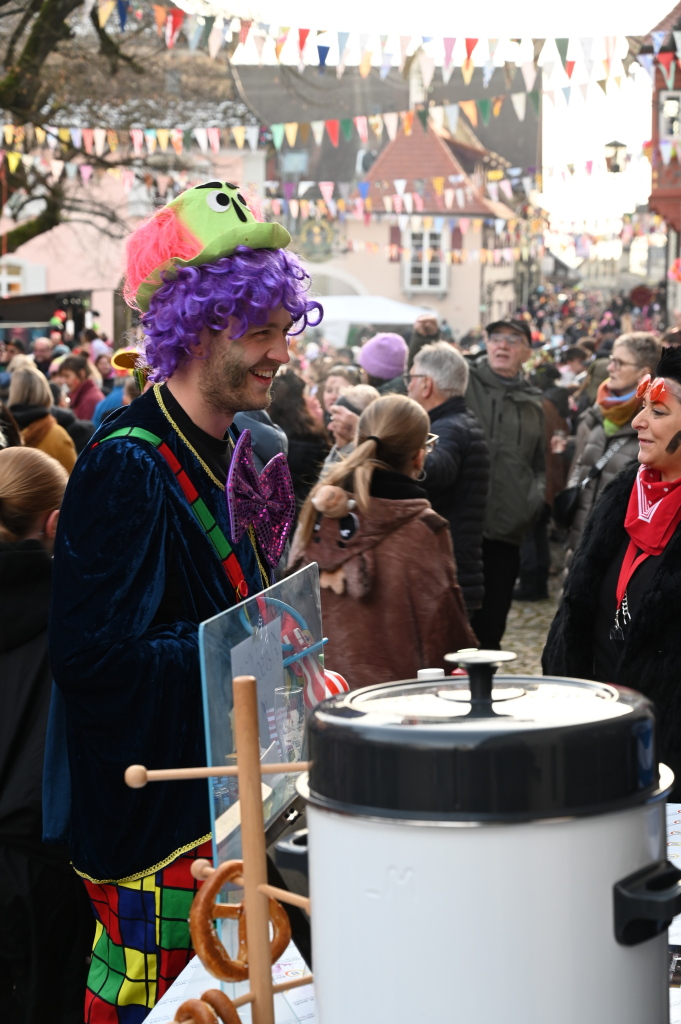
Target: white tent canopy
[342,311]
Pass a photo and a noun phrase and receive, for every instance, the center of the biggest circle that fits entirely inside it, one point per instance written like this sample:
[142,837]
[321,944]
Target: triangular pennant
[291,132]
[658,39]
[244,30]
[497,104]
[647,61]
[391,121]
[470,110]
[404,46]
[485,108]
[569,67]
[88,139]
[201,136]
[105,11]
[386,64]
[665,150]
[173,26]
[239,133]
[294,208]
[562,46]
[427,68]
[566,90]
[423,117]
[163,137]
[122,6]
[667,63]
[342,43]
[14,159]
[365,63]
[216,38]
[467,69]
[303,187]
[252,135]
[177,140]
[487,73]
[323,52]
[317,131]
[470,46]
[407,120]
[519,101]
[408,202]
[277,131]
[346,128]
[281,39]
[509,73]
[677,42]
[376,125]
[362,126]
[449,43]
[507,188]
[214,139]
[160,15]
[303,33]
[464,224]
[100,141]
[449,198]
[437,116]
[403,222]
[529,73]
[534,100]
[326,188]
[363,188]
[333,131]
[112,139]
[527,184]
[259,46]
[493,191]
[85,172]
[452,115]
[56,168]
[400,185]
[71,169]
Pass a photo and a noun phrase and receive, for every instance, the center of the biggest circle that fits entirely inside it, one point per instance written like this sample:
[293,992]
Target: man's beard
[223,384]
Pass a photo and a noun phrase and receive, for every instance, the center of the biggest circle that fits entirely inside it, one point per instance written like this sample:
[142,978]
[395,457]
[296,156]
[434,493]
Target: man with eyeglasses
[510,411]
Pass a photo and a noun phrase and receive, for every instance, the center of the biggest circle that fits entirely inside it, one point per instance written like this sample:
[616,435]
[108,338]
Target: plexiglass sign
[275,636]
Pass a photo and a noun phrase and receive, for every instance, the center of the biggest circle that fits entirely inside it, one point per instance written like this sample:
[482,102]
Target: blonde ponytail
[389,433]
[31,483]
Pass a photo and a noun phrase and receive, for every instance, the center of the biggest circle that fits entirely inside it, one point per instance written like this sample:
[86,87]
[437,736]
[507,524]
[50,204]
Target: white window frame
[433,276]
[665,120]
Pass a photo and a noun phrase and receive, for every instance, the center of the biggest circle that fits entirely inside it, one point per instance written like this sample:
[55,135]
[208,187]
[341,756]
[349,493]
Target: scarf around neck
[618,410]
[654,511]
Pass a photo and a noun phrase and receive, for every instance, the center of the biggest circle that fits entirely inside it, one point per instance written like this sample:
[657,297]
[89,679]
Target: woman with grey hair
[29,401]
[606,441]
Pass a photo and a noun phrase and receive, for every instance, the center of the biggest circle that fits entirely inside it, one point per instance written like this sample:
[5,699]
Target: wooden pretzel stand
[260,904]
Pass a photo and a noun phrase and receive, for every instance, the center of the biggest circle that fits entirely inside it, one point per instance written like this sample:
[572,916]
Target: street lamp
[615,153]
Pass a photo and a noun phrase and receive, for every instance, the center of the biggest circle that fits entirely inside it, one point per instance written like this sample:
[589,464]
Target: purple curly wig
[244,286]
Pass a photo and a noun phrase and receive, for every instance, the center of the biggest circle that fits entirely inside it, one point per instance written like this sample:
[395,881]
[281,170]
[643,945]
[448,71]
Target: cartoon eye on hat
[220,201]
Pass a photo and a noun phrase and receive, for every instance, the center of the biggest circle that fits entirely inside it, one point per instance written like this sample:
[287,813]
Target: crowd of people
[426,480]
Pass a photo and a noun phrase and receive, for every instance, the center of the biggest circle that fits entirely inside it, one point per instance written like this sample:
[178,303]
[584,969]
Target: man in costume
[148,549]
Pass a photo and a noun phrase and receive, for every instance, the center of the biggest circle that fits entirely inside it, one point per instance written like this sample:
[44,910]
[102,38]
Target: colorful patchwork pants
[142,941]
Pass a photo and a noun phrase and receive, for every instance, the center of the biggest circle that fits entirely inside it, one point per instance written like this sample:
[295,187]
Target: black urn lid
[474,748]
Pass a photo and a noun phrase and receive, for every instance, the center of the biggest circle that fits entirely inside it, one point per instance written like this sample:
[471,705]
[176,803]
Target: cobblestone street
[527,628]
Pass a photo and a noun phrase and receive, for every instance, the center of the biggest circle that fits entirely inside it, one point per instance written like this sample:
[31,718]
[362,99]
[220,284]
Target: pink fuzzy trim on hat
[153,243]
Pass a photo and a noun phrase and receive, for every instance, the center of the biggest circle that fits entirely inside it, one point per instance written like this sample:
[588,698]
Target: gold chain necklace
[251,532]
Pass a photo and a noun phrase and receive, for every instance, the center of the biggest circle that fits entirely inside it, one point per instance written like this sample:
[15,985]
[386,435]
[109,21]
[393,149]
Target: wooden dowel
[137,776]
[253,848]
[286,897]
[247,997]
[284,986]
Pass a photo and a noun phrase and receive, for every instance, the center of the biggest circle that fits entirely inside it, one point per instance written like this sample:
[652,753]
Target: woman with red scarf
[619,619]
[606,429]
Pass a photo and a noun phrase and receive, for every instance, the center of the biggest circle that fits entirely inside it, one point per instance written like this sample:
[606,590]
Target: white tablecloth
[298,1005]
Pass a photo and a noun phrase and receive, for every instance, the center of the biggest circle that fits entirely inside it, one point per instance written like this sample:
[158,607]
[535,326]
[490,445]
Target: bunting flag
[470,110]
[667,63]
[201,136]
[326,188]
[239,133]
[346,128]
[333,131]
[407,121]
[216,38]
[214,139]
[485,108]
[449,43]
[104,12]
[404,46]
[362,126]
[534,100]
[323,53]
[160,15]
[470,46]
[658,40]
[376,125]
[150,139]
[529,73]
[291,132]
[497,104]
[163,138]
[100,141]
[277,131]
[281,39]
[177,140]
[467,69]
[391,122]
[452,115]
[85,172]
[252,135]
[173,25]
[244,30]
[317,128]
[303,33]
[13,161]
[519,101]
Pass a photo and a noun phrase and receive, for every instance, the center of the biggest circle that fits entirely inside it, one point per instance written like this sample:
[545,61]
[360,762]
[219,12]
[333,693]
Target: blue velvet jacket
[134,575]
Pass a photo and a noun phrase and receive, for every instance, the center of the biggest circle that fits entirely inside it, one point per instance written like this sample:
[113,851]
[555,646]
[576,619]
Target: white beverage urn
[488,849]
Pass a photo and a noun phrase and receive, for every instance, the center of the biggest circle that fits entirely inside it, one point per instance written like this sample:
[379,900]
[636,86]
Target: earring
[422,476]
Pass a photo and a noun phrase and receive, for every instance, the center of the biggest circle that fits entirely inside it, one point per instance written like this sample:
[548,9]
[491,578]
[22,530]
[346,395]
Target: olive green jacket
[512,418]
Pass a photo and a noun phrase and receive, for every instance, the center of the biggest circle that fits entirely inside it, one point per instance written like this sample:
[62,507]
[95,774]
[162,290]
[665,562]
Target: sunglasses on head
[655,390]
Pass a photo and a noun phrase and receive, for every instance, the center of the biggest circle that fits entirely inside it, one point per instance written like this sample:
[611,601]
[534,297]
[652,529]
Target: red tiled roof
[420,157]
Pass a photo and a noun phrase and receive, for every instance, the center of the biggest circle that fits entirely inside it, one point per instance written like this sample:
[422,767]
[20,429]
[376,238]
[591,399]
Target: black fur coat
[651,657]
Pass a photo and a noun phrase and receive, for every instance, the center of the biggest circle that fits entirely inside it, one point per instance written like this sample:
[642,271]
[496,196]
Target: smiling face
[659,432]
[237,374]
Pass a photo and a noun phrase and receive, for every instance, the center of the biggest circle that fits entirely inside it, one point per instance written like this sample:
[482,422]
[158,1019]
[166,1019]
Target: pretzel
[205,910]
[212,1007]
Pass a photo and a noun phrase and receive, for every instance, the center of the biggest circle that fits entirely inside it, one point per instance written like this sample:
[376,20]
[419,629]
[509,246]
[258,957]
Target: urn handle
[290,854]
[646,902]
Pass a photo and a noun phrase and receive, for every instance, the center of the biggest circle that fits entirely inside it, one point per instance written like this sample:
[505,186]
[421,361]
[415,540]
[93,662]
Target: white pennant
[391,121]
[252,135]
[519,101]
[400,185]
[529,74]
[317,131]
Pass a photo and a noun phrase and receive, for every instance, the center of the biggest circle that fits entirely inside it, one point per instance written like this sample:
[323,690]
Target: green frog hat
[201,225]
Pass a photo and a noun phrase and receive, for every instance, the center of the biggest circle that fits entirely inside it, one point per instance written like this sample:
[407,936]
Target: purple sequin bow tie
[266,502]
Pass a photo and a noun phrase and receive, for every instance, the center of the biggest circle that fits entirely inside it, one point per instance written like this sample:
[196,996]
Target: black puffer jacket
[651,654]
[457,482]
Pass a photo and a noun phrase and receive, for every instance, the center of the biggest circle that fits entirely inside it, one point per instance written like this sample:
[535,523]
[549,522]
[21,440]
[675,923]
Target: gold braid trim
[264,577]
[147,871]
